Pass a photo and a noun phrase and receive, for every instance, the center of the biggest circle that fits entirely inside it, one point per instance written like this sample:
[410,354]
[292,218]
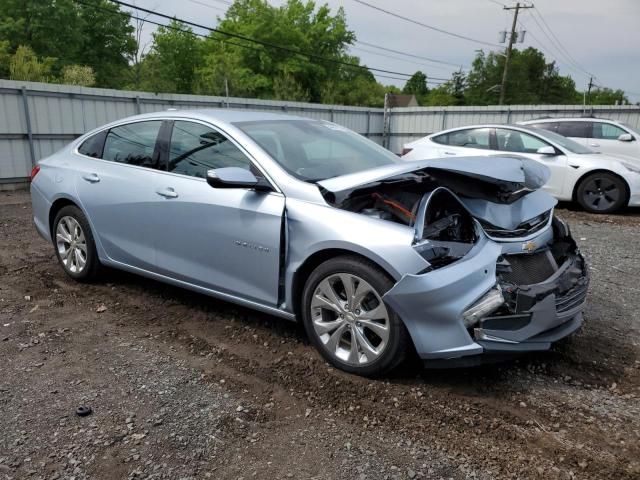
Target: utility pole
[512,39]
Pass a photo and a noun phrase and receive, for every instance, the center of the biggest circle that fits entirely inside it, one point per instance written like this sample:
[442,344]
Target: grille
[525,228]
[529,269]
[571,299]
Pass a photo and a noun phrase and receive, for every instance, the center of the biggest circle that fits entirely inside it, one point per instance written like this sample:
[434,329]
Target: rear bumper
[532,318]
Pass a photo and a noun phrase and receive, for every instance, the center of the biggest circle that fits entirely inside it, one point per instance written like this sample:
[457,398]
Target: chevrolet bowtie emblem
[529,247]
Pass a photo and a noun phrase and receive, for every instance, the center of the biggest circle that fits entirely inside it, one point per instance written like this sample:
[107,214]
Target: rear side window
[471,138]
[606,131]
[575,129]
[92,146]
[133,144]
[196,148]
[442,139]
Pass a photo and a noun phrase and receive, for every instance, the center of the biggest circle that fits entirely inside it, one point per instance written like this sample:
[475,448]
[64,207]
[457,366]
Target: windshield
[564,142]
[314,151]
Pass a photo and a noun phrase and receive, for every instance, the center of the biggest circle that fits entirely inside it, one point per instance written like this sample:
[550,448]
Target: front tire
[74,244]
[347,321]
[601,192]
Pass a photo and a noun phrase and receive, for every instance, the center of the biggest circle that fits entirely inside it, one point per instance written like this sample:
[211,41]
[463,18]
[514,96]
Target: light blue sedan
[457,260]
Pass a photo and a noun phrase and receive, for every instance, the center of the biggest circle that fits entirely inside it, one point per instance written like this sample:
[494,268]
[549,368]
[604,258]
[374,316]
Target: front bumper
[533,317]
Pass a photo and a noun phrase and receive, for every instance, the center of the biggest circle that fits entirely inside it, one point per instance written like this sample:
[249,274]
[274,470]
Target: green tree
[78,75]
[72,33]
[296,25]
[416,85]
[607,96]
[173,60]
[25,65]
[531,80]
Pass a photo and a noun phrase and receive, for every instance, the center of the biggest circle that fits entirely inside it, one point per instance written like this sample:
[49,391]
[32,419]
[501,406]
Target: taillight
[406,150]
[34,172]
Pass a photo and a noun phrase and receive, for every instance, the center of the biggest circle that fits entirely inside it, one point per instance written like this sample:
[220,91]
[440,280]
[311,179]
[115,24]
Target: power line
[409,54]
[430,27]
[253,40]
[207,5]
[562,47]
[559,49]
[400,59]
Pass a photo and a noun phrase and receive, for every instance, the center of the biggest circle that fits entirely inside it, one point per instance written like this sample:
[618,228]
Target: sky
[598,37]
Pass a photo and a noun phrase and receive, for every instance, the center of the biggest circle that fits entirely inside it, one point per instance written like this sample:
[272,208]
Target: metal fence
[36,119]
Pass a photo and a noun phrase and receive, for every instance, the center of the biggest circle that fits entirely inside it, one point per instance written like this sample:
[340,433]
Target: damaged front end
[504,275]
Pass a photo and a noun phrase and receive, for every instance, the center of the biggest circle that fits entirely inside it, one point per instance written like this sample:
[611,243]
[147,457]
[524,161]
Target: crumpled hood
[520,171]
[501,190]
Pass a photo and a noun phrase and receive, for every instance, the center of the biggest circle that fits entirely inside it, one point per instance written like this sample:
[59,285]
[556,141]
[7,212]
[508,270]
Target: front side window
[519,142]
[574,129]
[196,148]
[471,138]
[606,131]
[133,144]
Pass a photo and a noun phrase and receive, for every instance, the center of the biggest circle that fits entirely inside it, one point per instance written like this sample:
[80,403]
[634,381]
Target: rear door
[115,188]
[226,239]
[515,141]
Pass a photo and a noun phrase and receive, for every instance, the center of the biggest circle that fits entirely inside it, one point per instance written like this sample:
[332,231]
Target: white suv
[599,134]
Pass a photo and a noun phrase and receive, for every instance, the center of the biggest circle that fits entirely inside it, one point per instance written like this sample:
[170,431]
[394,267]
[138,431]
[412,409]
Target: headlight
[630,167]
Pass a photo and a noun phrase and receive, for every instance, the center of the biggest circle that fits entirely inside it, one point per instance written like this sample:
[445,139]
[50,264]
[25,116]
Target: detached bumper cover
[535,316]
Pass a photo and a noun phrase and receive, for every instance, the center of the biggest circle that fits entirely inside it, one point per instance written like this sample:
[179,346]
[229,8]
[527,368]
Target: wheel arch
[574,193]
[302,274]
[58,205]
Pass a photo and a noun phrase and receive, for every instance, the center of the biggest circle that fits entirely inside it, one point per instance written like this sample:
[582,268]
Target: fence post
[27,118]
[508,115]
[444,119]
[368,134]
[138,107]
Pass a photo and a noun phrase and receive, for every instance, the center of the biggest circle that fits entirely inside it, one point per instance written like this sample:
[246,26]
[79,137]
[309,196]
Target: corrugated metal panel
[57,110]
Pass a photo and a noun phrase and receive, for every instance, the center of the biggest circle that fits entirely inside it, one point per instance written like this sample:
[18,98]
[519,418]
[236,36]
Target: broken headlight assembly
[444,230]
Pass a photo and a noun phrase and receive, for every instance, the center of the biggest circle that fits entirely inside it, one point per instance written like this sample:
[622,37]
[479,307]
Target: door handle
[91,178]
[167,193]
[449,153]
[594,144]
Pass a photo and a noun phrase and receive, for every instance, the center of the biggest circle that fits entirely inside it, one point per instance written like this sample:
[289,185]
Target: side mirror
[626,137]
[548,150]
[236,177]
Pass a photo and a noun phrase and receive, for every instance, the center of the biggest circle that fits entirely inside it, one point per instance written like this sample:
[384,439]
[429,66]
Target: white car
[600,183]
[599,134]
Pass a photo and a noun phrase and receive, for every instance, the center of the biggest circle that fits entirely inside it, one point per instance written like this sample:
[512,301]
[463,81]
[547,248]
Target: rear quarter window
[92,146]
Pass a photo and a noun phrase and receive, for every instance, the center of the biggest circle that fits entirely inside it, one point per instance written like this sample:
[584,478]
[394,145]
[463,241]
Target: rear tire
[74,244]
[347,321]
[602,192]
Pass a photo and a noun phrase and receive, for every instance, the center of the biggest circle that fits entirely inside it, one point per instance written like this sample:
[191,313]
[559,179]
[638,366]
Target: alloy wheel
[601,193]
[71,244]
[350,319]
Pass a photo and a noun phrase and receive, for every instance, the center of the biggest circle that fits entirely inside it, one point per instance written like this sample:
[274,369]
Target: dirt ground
[183,386]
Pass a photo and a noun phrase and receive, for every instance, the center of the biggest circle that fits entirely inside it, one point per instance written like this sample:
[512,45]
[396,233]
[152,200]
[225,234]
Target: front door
[227,240]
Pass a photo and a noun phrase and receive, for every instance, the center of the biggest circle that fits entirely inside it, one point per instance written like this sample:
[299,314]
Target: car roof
[487,125]
[225,115]
[568,119]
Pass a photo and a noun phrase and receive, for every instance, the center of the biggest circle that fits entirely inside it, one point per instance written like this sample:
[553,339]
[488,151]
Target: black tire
[602,192]
[398,343]
[91,269]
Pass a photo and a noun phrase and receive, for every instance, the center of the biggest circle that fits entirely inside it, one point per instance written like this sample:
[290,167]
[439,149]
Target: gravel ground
[184,386]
